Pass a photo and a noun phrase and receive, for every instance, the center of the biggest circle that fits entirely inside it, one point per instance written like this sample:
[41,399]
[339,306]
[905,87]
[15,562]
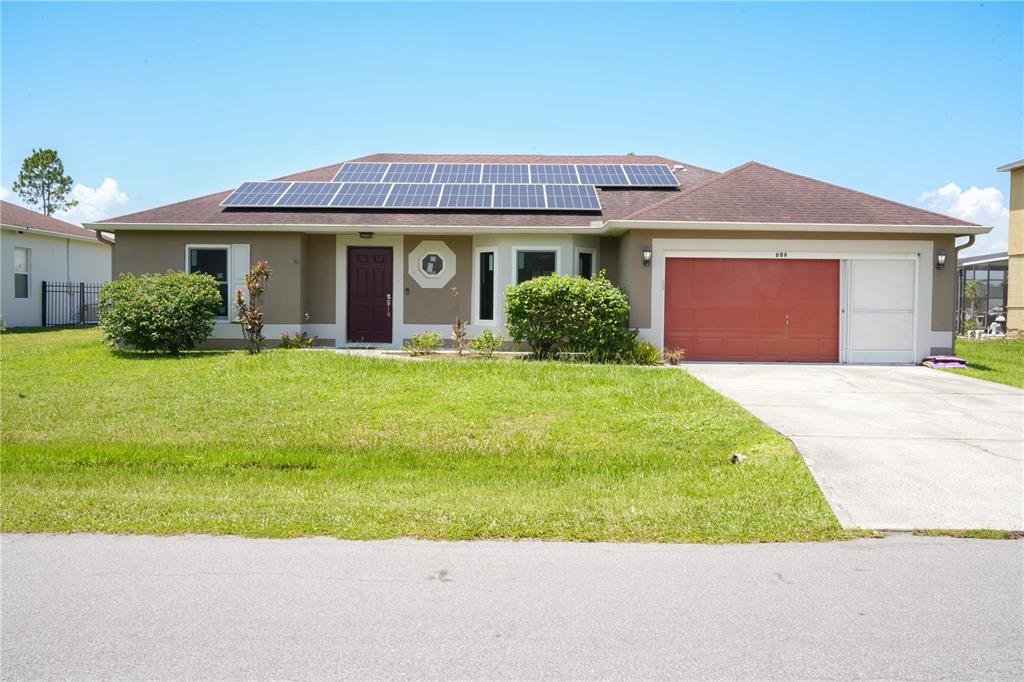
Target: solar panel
[467,196]
[361,195]
[256,194]
[553,173]
[650,175]
[602,174]
[506,173]
[519,196]
[583,197]
[414,195]
[457,172]
[361,172]
[410,172]
[309,194]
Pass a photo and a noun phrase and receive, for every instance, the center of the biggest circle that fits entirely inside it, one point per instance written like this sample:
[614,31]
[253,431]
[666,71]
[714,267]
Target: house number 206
[781,254]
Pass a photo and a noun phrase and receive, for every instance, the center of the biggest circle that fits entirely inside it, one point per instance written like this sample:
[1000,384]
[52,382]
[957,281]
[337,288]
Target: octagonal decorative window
[432,265]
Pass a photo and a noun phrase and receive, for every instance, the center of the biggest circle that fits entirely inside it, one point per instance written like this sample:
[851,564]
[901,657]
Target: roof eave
[610,227]
[596,227]
[794,227]
[51,233]
[1013,165]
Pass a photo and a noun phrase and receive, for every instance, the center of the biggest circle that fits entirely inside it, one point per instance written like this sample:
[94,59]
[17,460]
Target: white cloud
[94,204]
[4,193]
[983,206]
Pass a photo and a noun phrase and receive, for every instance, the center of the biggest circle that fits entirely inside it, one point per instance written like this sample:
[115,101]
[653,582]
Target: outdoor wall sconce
[646,253]
[940,260]
[366,235]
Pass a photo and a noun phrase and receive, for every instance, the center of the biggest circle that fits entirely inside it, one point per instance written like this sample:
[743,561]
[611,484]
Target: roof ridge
[863,194]
[686,192]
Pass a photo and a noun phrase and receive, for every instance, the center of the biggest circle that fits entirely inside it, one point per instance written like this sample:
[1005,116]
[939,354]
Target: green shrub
[636,351]
[297,340]
[169,313]
[423,343]
[570,314]
[487,343]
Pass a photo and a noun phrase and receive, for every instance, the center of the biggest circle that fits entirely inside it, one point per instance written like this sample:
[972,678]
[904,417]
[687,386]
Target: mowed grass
[999,360]
[293,443]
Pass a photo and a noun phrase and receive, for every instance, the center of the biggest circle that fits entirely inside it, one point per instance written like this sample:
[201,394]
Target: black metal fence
[70,304]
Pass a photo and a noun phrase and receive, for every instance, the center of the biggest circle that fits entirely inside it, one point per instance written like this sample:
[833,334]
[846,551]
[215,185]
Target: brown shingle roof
[756,193]
[19,216]
[752,193]
[614,203]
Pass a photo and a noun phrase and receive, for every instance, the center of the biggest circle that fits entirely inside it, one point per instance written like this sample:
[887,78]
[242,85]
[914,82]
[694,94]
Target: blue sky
[171,101]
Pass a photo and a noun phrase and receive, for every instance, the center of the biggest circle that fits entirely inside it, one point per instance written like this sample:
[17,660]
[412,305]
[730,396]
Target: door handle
[389,304]
[787,321]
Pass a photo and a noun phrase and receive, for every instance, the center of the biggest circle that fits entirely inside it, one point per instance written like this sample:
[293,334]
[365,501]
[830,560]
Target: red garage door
[753,309]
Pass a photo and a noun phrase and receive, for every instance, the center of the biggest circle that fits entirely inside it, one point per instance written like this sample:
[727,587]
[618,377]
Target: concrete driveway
[893,447]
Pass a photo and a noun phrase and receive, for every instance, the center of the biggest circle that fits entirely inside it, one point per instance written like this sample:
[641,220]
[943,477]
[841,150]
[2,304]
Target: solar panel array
[492,196]
[598,174]
[495,186]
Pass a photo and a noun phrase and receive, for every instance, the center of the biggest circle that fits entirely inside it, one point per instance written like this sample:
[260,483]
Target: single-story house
[38,248]
[754,263]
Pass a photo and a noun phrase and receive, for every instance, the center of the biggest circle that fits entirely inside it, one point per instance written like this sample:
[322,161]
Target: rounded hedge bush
[169,313]
[557,313]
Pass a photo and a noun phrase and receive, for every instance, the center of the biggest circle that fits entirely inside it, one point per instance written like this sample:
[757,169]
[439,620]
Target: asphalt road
[91,606]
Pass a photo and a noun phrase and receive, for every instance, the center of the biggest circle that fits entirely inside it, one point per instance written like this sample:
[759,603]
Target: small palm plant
[972,292]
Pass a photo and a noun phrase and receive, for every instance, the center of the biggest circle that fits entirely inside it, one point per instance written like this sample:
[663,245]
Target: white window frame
[477,251]
[27,273]
[227,249]
[593,260]
[534,249]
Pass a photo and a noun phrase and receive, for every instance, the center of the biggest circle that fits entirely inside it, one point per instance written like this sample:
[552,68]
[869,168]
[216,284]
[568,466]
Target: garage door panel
[745,305]
[882,331]
[883,284]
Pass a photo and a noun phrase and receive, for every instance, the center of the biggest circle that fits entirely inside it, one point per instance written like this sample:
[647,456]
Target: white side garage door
[880,319]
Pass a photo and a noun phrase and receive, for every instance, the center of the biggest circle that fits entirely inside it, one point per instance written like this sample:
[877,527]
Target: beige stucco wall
[139,252]
[635,279]
[437,306]
[1015,276]
[319,270]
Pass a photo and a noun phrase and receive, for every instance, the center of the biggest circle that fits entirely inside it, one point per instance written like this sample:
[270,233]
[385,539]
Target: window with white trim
[530,264]
[585,264]
[213,261]
[22,263]
[485,285]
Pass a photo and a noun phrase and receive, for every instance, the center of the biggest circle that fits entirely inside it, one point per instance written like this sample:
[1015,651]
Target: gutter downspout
[959,294]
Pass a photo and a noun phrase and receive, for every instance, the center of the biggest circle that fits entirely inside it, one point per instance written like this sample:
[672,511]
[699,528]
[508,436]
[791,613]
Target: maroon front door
[369,294]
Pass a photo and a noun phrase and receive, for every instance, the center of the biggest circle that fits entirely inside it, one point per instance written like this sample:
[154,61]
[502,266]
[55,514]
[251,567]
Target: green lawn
[995,360]
[315,443]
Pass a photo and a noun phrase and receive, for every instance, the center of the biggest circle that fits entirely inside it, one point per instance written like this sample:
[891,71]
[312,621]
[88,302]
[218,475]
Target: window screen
[530,264]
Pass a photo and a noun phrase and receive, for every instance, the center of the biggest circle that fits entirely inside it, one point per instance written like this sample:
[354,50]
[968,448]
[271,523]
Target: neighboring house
[990,271]
[1015,275]
[37,248]
[751,264]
